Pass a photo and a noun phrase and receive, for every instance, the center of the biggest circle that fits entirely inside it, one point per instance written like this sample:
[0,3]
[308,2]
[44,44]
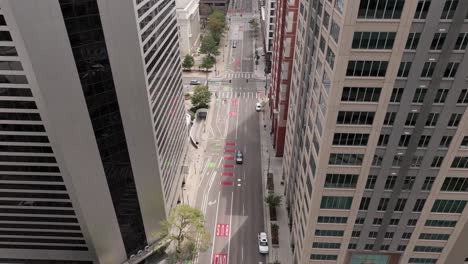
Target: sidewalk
[281,253]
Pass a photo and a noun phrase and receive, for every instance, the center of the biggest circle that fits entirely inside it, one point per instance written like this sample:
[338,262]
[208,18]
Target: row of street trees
[210,42]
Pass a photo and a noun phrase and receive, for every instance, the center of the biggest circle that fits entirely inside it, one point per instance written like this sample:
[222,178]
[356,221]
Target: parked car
[234,43]
[258,107]
[239,157]
[195,82]
[263,243]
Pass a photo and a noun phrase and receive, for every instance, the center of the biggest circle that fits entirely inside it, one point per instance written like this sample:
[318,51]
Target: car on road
[263,243]
[239,157]
[195,82]
[234,43]
[258,107]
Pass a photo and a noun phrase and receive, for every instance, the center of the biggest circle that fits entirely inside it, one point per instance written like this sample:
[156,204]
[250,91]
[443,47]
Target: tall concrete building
[93,131]
[270,6]
[281,70]
[188,20]
[376,155]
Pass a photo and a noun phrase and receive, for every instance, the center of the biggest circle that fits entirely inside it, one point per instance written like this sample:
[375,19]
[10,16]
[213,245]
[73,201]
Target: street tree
[208,62]
[254,25]
[185,232]
[273,200]
[188,62]
[217,24]
[201,97]
[209,46]
[205,10]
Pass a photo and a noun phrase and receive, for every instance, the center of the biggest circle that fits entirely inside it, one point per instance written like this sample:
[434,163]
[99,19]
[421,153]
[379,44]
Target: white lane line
[230,226]
[237,120]
[219,162]
[244,175]
[242,253]
[227,122]
[214,229]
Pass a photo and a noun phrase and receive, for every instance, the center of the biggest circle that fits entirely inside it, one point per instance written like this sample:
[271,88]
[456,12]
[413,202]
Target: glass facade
[86,37]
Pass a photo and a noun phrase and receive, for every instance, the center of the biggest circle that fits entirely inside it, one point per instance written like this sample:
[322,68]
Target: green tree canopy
[217,24]
[188,62]
[201,97]
[273,200]
[254,25]
[209,46]
[181,230]
[208,62]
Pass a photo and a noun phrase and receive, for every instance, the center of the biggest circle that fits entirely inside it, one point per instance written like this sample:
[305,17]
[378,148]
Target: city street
[230,194]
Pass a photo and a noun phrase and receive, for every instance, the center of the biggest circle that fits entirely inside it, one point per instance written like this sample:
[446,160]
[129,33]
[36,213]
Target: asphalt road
[231,195]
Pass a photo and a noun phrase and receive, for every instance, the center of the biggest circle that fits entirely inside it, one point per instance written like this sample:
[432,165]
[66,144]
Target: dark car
[239,157]
[195,82]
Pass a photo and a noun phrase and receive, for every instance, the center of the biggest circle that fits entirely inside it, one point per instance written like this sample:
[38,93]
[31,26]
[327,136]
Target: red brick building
[282,61]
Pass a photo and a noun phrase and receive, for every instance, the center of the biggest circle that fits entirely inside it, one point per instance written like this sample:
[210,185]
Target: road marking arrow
[212,203]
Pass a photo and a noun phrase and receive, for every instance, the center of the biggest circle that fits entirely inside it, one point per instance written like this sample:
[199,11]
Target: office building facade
[93,130]
[377,136]
[281,70]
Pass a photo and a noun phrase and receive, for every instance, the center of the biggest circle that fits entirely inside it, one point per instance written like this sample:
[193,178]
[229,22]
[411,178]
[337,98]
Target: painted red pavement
[228,166]
[229,150]
[220,258]
[222,230]
[226,183]
[228,174]
[230,144]
[234,102]
[228,158]
[232,113]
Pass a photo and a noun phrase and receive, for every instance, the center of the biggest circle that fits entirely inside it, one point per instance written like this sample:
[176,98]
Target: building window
[371,180]
[451,70]
[390,182]
[464,142]
[383,140]
[424,141]
[355,233]
[427,249]
[355,118]
[438,41]
[404,69]
[419,205]
[441,223]
[360,94]
[406,235]
[383,203]
[432,119]
[373,40]
[341,180]
[397,160]
[359,221]
[401,248]
[404,140]
[428,69]
[449,9]
[336,202]
[322,44]
[377,160]
[350,139]
[326,245]
[323,232]
[397,93]
[412,41]
[448,206]
[335,30]
[389,119]
[463,98]
[332,219]
[409,181]
[432,236]
[422,9]
[428,182]
[422,261]
[437,161]
[416,161]
[455,184]
[400,205]
[389,234]
[368,247]
[377,221]
[445,141]
[364,205]
[367,68]
[454,120]
[384,9]
[441,96]
[323,257]
[411,119]
[419,95]
[394,221]
[330,58]
[5,36]
[462,41]
[373,234]
[412,222]
[352,246]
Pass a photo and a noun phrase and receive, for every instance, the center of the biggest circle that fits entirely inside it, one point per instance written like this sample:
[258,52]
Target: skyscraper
[281,72]
[376,146]
[93,132]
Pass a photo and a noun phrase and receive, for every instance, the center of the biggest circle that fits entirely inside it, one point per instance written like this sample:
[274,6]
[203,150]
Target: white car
[262,243]
[195,82]
[258,107]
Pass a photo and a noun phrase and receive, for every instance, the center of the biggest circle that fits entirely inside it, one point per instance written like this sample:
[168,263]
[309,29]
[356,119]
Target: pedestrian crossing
[233,94]
[239,75]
